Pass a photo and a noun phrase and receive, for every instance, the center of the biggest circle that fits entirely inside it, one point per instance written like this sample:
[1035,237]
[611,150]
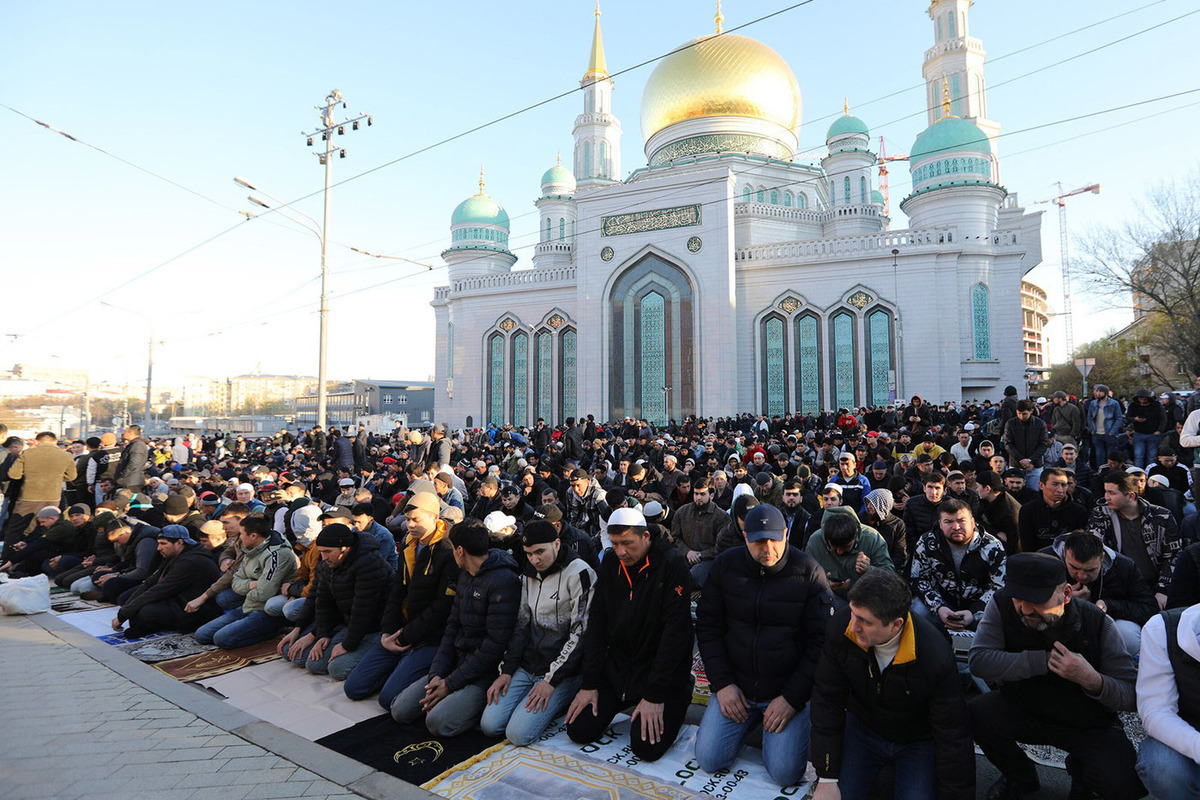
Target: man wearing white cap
[638,643]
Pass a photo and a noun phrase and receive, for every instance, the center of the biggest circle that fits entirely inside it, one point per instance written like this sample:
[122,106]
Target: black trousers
[589,727]
[1103,759]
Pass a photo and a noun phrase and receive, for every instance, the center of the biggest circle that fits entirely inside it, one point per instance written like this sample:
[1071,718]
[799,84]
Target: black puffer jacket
[639,632]
[177,581]
[353,593]
[917,698]
[762,629]
[422,593]
[481,623]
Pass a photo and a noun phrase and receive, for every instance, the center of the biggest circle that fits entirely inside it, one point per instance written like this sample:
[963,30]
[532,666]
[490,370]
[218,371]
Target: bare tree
[1154,258]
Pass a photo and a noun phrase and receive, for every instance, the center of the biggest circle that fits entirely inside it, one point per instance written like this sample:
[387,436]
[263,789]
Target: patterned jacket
[1159,532]
[937,583]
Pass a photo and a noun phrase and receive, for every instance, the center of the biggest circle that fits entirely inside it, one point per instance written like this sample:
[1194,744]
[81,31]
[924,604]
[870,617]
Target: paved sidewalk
[82,720]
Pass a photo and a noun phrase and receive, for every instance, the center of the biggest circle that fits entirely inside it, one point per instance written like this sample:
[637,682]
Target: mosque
[728,274]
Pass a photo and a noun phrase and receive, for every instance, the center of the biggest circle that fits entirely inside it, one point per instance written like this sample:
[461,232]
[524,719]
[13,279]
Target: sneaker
[1004,789]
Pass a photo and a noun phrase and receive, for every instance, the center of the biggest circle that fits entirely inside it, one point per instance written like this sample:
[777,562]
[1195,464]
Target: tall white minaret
[597,131]
[957,58]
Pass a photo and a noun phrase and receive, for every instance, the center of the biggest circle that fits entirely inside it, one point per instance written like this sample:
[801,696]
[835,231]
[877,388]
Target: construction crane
[884,159]
[1061,202]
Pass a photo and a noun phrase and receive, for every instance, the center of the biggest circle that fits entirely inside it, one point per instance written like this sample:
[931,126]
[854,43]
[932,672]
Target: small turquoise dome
[558,174]
[877,197]
[950,134]
[847,124]
[479,210]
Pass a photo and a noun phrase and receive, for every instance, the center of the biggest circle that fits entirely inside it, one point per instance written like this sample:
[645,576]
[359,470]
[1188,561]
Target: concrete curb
[331,766]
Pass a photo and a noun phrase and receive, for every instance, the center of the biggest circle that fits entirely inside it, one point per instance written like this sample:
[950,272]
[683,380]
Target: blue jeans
[236,628]
[1033,477]
[1145,449]
[1167,773]
[388,673]
[228,598]
[340,667]
[509,717]
[1103,444]
[864,752]
[720,739]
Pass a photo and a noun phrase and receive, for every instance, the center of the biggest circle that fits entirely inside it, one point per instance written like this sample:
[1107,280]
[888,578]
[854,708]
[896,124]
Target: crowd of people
[881,586]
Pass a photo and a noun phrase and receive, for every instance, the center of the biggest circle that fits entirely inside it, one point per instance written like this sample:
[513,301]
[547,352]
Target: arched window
[846,189]
[545,375]
[546,238]
[953,24]
[761,196]
[981,318]
[774,366]
[808,363]
[569,375]
[774,197]
[787,199]
[562,228]
[745,194]
[843,360]
[519,391]
[602,167]
[449,349]
[862,190]
[879,354]
[651,308]
[587,160]
[496,379]
[801,200]
[590,100]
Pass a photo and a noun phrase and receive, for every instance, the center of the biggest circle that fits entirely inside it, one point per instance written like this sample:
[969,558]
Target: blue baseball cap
[176,532]
[765,522]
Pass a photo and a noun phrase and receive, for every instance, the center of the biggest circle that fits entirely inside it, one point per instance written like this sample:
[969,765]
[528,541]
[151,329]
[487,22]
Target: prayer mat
[215,662]
[70,603]
[118,639]
[164,648]
[519,773]
[700,686]
[746,779]
[291,698]
[410,752]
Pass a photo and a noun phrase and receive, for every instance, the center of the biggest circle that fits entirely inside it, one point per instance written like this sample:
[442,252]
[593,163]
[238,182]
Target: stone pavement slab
[84,720]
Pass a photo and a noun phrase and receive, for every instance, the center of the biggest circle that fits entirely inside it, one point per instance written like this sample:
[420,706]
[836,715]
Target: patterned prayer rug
[218,662]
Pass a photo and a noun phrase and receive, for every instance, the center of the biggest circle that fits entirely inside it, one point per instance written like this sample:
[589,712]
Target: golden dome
[720,76]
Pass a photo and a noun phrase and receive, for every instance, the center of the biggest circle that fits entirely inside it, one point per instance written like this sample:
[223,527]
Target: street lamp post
[666,390]
[149,359]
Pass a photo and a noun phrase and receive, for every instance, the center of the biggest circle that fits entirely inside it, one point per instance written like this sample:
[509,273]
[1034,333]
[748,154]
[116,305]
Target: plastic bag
[25,595]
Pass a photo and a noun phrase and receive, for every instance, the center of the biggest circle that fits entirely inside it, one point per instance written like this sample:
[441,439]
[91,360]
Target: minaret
[957,59]
[597,131]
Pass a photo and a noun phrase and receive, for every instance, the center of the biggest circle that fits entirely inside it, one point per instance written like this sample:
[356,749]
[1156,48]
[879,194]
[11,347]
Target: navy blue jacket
[481,624]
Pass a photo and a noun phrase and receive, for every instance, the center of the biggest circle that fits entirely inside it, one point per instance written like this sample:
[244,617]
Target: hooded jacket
[423,590]
[1125,593]
[1159,533]
[918,697]
[548,640]
[177,581]
[639,631]
[271,564]
[841,568]
[139,556]
[481,623]
[352,593]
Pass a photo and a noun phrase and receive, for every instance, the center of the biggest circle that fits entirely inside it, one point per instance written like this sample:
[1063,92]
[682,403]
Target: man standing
[1025,441]
[1168,698]
[1064,674]
[955,569]
[760,623]
[543,661]
[43,468]
[695,526]
[1066,420]
[1146,421]
[1144,532]
[131,466]
[481,624]
[888,691]
[1052,514]
[638,643]
[1105,423]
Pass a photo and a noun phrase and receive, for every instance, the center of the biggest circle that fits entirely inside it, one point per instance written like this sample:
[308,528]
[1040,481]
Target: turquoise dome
[950,134]
[847,124]
[558,174]
[877,197]
[479,210]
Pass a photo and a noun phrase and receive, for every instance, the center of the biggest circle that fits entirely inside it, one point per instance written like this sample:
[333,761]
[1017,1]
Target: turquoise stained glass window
[746,194]
[562,228]
[761,196]
[586,172]
[654,357]
[801,201]
[774,197]
[545,375]
[879,335]
[843,361]
[569,367]
[787,199]
[546,238]
[981,316]
[450,349]
[862,190]
[808,364]
[496,383]
[602,167]
[520,380]
[846,190]
[776,376]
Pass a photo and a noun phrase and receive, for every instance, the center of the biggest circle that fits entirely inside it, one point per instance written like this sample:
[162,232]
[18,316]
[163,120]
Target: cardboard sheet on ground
[747,779]
[408,752]
[287,696]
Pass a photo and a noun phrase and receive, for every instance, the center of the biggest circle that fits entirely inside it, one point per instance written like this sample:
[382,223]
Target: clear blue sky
[199,93]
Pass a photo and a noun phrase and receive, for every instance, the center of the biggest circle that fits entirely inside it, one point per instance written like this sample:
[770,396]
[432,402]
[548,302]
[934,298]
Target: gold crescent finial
[846,105]
[597,8]
[945,98]
[558,158]
[719,18]
[481,178]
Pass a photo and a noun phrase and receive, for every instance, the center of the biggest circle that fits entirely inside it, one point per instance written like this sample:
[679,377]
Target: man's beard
[1044,621]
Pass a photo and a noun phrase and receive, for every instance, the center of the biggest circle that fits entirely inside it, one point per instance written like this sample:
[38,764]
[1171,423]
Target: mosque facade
[729,275]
